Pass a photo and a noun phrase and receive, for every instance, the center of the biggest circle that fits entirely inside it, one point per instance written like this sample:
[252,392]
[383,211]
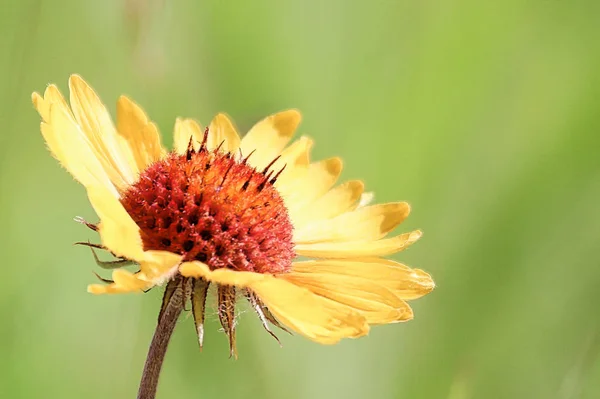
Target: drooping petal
[311,315]
[124,281]
[367,223]
[269,137]
[111,149]
[141,134]
[406,283]
[186,131]
[118,231]
[222,132]
[356,249]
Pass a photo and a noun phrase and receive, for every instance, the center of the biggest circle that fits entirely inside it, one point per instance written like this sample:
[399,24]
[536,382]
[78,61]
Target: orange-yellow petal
[311,315]
[406,283]
[140,133]
[356,249]
[367,223]
[269,137]
[222,132]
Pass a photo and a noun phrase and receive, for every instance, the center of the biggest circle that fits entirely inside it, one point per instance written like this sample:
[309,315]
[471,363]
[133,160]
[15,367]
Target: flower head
[233,213]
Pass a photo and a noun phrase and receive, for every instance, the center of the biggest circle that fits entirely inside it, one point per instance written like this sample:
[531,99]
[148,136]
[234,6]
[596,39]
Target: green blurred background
[484,116]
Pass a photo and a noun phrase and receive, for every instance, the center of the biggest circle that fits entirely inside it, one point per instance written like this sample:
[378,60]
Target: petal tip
[96,289]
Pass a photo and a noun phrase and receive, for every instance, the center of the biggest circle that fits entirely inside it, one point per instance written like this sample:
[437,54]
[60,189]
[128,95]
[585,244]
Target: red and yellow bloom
[234,213]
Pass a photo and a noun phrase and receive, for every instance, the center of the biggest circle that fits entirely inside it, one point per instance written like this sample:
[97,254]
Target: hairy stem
[160,342]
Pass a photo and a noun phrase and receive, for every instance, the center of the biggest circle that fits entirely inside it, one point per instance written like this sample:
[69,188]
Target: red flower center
[210,207]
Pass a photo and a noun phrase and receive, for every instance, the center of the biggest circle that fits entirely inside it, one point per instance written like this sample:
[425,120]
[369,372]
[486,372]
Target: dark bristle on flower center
[211,207]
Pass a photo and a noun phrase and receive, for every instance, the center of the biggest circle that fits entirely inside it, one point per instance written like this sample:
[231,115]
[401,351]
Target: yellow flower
[234,213]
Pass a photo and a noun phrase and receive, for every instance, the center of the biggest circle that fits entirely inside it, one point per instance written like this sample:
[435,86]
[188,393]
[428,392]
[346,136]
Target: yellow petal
[159,266]
[42,104]
[341,199]
[367,223]
[118,231]
[315,317]
[124,281]
[140,133]
[366,199]
[317,179]
[68,144]
[373,300]
[294,161]
[111,149]
[186,130]
[222,130]
[220,276]
[268,137]
[353,249]
[406,283]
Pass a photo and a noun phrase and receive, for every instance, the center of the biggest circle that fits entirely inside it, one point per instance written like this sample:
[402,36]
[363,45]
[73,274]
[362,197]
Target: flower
[234,213]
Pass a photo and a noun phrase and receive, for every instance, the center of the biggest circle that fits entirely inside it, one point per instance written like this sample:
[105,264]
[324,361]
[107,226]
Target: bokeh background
[485,116]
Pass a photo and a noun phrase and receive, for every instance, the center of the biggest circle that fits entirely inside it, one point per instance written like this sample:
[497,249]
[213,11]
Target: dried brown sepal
[261,315]
[226,309]
[92,245]
[199,291]
[169,290]
[252,298]
[104,280]
[81,220]
[111,264]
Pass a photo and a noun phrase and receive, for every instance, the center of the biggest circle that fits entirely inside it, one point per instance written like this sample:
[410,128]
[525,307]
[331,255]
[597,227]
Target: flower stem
[159,344]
